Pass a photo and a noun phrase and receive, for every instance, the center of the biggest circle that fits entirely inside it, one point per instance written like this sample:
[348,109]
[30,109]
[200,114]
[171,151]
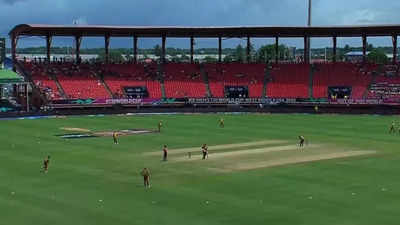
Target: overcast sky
[198,13]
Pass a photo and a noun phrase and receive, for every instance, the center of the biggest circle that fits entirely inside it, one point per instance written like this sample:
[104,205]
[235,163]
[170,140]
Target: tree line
[264,54]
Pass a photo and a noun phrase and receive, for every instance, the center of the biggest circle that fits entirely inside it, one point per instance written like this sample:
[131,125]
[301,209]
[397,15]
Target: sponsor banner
[141,101]
[232,101]
[392,100]
[265,101]
[127,101]
[74,101]
[358,101]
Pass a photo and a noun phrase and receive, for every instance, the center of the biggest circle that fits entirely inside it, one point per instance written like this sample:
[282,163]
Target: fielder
[204,151]
[301,141]
[46,163]
[146,177]
[115,137]
[392,128]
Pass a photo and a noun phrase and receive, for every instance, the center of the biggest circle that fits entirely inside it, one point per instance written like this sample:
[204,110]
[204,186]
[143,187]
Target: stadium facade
[150,86]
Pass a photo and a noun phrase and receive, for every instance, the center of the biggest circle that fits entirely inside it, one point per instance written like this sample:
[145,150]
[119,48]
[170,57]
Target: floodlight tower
[309,25]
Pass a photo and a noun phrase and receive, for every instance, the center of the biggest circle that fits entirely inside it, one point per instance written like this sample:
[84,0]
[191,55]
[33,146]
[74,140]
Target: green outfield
[348,174]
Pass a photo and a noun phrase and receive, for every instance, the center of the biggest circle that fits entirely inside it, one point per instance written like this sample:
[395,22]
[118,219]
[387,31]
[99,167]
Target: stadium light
[309,25]
[309,13]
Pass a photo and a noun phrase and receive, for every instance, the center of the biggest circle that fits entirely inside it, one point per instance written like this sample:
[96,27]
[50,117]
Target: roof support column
[219,49]
[191,49]
[364,41]
[306,57]
[248,49]
[78,41]
[135,41]
[14,43]
[334,49]
[394,40]
[276,49]
[49,40]
[107,48]
[164,40]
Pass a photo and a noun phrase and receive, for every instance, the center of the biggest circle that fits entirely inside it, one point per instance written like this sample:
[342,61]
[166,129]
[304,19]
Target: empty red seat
[236,74]
[183,80]
[341,74]
[289,81]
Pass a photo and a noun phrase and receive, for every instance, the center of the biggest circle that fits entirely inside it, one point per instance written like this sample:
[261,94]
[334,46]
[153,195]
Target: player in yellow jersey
[115,137]
[146,177]
[221,123]
[392,128]
[159,125]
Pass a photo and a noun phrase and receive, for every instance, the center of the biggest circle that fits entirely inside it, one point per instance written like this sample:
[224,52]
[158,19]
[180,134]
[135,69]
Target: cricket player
[159,126]
[204,151]
[316,109]
[46,163]
[115,137]
[146,177]
[221,123]
[165,153]
[392,128]
[301,140]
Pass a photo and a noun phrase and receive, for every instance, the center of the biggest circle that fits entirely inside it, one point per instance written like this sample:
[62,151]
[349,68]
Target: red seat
[236,74]
[129,75]
[289,81]
[341,74]
[183,80]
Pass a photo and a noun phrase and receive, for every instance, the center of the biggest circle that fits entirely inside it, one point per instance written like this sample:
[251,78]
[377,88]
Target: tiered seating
[289,81]
[42,80]
[342,74]
[183,80]
[215,80]
[236,74]
[386,85]
[80,82]
[118,76]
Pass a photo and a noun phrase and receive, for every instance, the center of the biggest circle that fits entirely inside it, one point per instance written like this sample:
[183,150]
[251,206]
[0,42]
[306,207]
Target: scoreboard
[2,51]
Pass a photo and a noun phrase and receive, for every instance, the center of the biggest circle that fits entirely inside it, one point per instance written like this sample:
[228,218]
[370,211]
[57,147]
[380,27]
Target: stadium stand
[236,74]
[386,85]
[43,81]
[289,81]
[80,82]
[341,74]
[118,76]
[183,80]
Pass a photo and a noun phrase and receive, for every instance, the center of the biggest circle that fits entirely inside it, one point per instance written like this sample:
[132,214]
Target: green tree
[267,53]
[377,56]
[209,59]
[239,54]
[157,50]
[370,47]
[346,49]
[114,56]
[228,58]
[175,59]
[184,58]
